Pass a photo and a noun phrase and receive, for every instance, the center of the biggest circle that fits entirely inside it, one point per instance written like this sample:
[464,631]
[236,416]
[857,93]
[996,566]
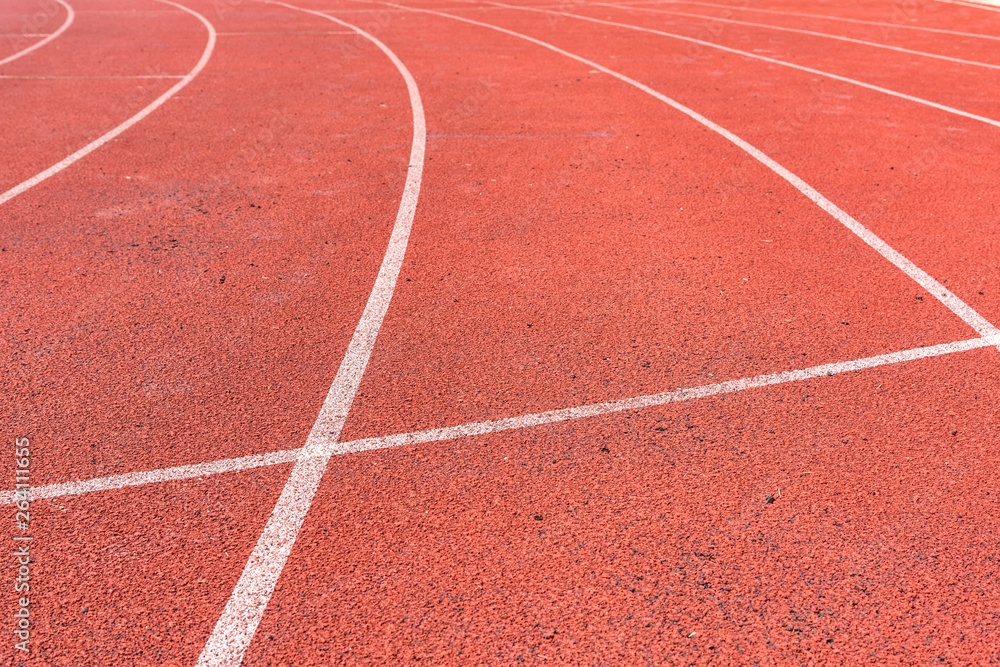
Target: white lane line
[827,17]
[150,108]
[153,476]
[236,627]
[747,54]
[498,425]
[826,35]
[70,15]
[651,400]
[939,291]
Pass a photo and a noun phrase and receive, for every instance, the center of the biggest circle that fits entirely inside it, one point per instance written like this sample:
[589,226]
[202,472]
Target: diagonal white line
[899,49]
[651,400]
[236,627]
[153,476]
[746,54]
[70,15]
[150,108]
[498,425]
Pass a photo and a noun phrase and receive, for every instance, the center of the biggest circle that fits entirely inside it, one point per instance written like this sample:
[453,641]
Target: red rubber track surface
[187,292]
[132,577]
[929,14]
[953,84]
[613,542]
[937,16]
[26,22]
[526,243]
[210,307]
[106,67]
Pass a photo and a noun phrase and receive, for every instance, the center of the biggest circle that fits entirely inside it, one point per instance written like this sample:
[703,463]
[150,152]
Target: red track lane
[133,577]
[17,14]
[647,538]
[93,79]
[434,552]
[918,177]
[558,316]
[186,293]
[149,38]
[930,13]
[433,566]
[714,22]
[964,87]
[971,48]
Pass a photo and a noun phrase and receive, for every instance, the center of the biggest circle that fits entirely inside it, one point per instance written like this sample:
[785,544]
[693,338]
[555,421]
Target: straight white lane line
[150,108]
[70,15]
[498,425]
[236,627]
[755,56]
[799,31]
[827,17]
[154,476]
[939,291]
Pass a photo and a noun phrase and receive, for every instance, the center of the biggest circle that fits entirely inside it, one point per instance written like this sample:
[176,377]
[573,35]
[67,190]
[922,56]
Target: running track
[494,332]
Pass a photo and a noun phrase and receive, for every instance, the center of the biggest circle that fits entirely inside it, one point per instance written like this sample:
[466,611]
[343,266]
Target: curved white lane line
[236,627]
[150,108]
[882,24]
[800,31]
[496,425]
[70,15]
[775,61]
[939,291]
